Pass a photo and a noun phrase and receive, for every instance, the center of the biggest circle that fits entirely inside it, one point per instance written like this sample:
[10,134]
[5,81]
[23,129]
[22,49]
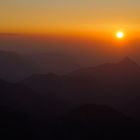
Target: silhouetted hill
[53,62]
[43,77]
[32,102]
[129,61]
[95,122]
[45,98]
[108,75]
[112,84]
[13,66]
[26,112]
[119,84]
[67,88]
[126,66]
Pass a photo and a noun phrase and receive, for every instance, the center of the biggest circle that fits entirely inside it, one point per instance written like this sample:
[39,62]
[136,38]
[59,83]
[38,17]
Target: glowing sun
[120,35]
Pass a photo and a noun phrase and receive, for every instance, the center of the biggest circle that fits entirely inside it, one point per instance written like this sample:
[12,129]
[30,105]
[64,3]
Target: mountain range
[101,101]
[17,66]
[113,84]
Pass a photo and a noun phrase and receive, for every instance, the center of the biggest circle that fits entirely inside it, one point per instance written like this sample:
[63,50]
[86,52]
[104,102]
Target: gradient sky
[46,16]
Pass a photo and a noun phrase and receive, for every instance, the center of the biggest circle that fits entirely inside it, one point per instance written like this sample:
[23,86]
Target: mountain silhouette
[94,122]
[112,84]
[125,65]
[53,106]
[53,62]
[25,112]
[128,60]
[16,67]
[108,73]
[13,66]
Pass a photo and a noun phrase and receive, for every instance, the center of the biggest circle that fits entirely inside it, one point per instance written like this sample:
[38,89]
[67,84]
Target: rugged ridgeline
[112,84]
[15,67]
[52,106]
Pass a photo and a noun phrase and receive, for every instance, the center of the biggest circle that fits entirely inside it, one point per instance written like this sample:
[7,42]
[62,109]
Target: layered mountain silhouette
[113,84]
[53,106]
[124,67]
[13,66]
[53,62]
[25,113]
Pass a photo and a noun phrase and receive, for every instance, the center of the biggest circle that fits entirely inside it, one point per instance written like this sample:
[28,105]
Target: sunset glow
[90,26]
[120,35]
[76,16]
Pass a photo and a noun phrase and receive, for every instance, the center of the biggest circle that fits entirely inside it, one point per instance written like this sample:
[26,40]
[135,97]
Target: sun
[120,35]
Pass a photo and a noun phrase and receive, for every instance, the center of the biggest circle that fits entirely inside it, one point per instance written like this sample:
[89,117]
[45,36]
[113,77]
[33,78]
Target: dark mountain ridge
[51,105]
[96,121]
[112,84]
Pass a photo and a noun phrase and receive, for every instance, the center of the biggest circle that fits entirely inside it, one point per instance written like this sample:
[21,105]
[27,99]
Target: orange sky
[70,17]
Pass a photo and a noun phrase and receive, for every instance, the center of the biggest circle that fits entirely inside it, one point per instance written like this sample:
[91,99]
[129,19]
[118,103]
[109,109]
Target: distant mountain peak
[128,61]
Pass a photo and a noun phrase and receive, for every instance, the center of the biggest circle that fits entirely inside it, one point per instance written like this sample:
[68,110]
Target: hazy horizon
[79,28]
